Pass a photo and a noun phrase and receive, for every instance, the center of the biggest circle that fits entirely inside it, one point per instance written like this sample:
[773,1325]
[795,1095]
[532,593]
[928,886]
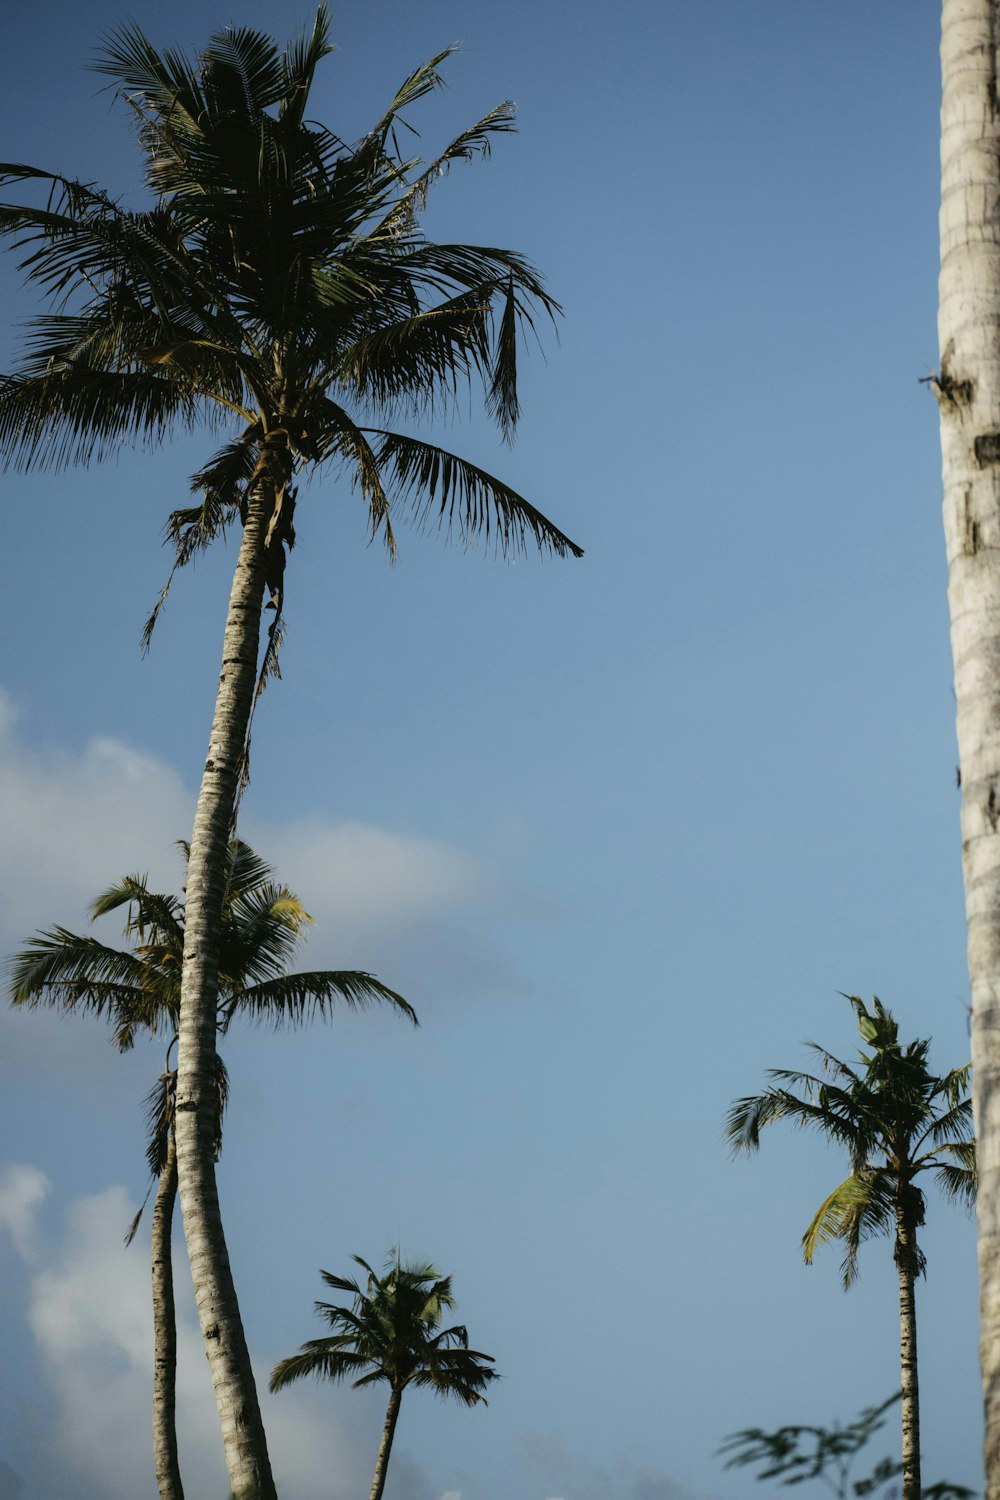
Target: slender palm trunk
[968,393]
[385,1446]
[906,1263]
[215,1293]
[168,1474]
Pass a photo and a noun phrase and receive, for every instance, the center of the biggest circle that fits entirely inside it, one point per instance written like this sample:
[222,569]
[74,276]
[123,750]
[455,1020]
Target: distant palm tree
[138,990]
[896,1119]
[389,1333]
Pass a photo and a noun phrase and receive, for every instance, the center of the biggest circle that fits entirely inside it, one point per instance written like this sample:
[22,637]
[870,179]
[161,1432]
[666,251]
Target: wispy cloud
[557,1473]
[88,1308]
[75,821]
[22,1189]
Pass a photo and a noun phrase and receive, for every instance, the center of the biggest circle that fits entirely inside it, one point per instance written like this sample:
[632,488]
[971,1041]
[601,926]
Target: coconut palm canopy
[280,287]
[894,1118]
[136,989]
[391,1334]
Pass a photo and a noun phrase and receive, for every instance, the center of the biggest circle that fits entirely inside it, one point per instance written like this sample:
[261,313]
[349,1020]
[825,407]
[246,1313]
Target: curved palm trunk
[906,1261]
[385,1446]
[168,1474]
[968,393]
[215,1293]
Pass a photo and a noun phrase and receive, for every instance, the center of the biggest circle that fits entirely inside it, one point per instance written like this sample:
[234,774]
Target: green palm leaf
[294,999]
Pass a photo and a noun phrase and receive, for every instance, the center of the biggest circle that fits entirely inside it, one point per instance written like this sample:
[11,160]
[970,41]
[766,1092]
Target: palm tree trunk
[215,1293]
[906,1264]
[168,1474]
[385,1446]
[968,393]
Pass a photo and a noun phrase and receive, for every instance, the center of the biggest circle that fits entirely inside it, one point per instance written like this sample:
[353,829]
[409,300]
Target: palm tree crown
[279,283]
[392,1333]
[896,1120]
[138,988]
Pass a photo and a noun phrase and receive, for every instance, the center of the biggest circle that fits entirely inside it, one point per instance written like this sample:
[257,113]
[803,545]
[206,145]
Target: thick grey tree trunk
[215,1294]
[968,393]
[385,1446]
[906,1263]
[168,1474]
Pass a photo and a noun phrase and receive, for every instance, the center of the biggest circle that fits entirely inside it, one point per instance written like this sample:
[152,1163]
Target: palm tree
[279,288]
[967,388]
[896,1119]
[137,989]
[392,1332]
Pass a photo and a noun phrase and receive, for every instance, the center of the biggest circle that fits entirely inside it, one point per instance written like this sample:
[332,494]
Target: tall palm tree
[392,1333]
[967,387]
[137,989]
[279,288]
[896,1120]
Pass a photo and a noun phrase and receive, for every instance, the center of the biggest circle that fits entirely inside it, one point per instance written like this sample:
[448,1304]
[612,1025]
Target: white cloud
[22,1189]
[559,1473]
[355,878]
[89,1312]
[75,821]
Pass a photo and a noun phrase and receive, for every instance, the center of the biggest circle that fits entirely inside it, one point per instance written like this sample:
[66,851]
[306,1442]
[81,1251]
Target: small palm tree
[392,1332]
[137,989]
[896,1119]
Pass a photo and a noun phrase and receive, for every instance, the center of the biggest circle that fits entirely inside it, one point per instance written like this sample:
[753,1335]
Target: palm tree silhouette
[392,1333]
[896,1120]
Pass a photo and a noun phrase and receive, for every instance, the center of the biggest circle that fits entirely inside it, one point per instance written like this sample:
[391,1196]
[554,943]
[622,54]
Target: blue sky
[620,828]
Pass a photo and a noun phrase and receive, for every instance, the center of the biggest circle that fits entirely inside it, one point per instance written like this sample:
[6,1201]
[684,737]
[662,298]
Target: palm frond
[299,62]
[61,969]
[455,495]
[74,415]
[318,1360]
[421,82]
[747,1117]
[159,1111]
[956,1122]
[151,913]
[294,999]
[242,73]
[959,1179]
[855,1208]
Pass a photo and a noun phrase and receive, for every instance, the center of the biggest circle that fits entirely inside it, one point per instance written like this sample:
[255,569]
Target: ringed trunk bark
[968,393]
[906,1252]
[195,1118]
[168,1474]
[385,1446]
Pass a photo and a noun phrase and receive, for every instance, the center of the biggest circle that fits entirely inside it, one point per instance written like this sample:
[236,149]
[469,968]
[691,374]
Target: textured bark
[385,1446]
[968,393]
[215,1294]
[906,1261]
[168,1474]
